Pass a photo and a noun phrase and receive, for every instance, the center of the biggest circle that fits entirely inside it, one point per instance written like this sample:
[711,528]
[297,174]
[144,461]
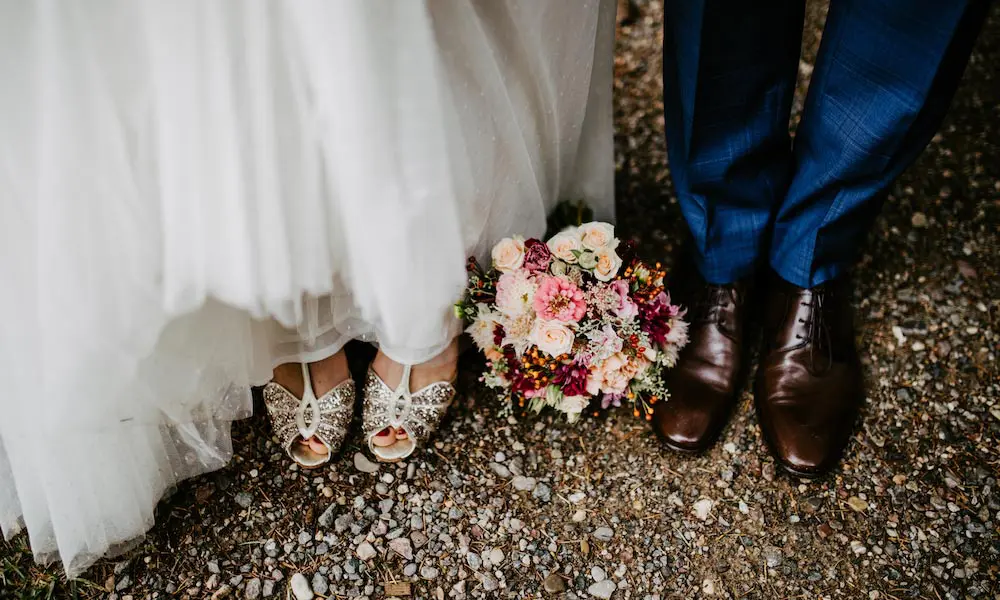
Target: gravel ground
[525,509]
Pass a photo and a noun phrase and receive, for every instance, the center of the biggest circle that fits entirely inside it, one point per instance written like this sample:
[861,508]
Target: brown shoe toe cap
[692,418]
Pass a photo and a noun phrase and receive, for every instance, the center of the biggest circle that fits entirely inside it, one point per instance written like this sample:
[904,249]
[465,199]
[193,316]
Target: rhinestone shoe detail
[417,413]
[327,417]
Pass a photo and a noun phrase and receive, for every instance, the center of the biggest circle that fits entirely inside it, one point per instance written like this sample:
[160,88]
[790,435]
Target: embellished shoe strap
[401,400]
[309,403]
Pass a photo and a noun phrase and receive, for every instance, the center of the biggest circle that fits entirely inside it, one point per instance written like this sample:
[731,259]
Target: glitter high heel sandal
[329,418]
[416,414]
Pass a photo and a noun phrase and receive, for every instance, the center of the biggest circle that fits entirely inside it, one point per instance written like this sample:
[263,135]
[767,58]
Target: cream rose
[611,377]
[552,337]
[596,235]
[573,406]
[608,263]
[508,254]
[563,244]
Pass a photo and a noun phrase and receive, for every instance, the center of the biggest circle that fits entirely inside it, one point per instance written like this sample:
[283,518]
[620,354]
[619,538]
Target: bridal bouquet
[568,322]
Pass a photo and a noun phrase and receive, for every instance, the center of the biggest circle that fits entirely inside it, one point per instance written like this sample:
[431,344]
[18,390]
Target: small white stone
[602,589]
[708,586]
[579,516]
[524,484]
[300,587]
[364,465]
[496,556]
[703,507]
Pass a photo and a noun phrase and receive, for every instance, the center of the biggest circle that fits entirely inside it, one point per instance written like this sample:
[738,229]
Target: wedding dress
[192,192]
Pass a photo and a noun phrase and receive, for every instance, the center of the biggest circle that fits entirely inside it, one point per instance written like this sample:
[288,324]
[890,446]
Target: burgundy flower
[654,317]
[572,378]
[498,334]
[536,255]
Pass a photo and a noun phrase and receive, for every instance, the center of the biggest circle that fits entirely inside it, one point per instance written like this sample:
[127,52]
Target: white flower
[608,263]
[573,406]
[596,235]
[678,334]
[515,293]
[552,337]
[508,254]
[564,243]
[482,328]
[517,331]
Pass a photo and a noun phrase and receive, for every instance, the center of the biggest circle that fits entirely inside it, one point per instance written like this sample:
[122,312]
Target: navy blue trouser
[885,74]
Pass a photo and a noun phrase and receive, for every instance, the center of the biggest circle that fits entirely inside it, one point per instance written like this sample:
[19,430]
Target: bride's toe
[317,446]
[384,438]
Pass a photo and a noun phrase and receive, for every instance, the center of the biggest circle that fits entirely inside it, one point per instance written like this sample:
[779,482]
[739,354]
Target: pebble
[602,589]
[857,504]
[429,572]
[365,551]
[554,584]
[268,589]
[364,465]
[772,556]
[579,516]
[542,493]
[524,484]
[402,547]
[603,534]
[500,470]
[496,557]
[253,589]
[319,585]
[702,508]
[410,570]
[598,574]
[708,586]
[488,582]
[244,499]
[326,519]
[472,559]
[300,587]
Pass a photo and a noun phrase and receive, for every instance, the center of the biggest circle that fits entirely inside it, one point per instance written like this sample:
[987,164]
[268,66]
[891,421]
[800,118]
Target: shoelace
[817,331]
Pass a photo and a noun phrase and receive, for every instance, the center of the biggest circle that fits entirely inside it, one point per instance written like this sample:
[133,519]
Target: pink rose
[537,256]
[559,300]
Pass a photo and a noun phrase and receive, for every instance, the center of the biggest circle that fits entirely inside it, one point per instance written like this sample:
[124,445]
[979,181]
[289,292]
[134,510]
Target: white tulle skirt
[193,192]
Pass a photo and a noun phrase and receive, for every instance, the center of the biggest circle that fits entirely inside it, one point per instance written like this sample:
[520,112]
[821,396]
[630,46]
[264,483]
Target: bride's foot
[398,413]
[288,398]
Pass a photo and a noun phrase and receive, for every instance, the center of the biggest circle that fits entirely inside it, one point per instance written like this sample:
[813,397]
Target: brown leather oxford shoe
[706,382]
[809,386]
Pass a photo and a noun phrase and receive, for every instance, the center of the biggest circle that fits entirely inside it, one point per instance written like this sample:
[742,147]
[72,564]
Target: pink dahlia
[559,300]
